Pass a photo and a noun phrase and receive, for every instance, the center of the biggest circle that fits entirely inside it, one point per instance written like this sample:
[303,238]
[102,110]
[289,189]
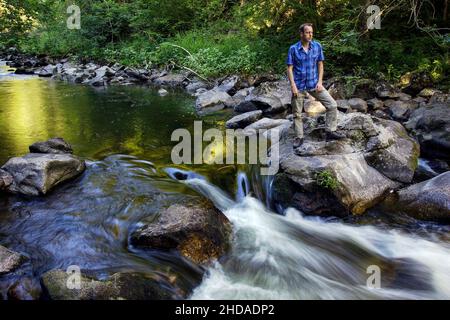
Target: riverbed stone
[244,119]
[46,71]
[342,105]
[358,104]
[6,179]
[53,145]
[193,86]
[10,260]
[399,110]
[213,100]
[25,288]
[162,92]
[171,80]
[375,104]
[120,286]
[198,230]
[386,90]
[430,124]
[36,174]
[230,85]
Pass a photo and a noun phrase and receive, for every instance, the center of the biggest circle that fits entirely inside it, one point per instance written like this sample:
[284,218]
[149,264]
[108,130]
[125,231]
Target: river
[124,135]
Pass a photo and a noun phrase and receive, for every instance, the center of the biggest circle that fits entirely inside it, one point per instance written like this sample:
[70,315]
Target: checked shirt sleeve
[321,56]
[290,56]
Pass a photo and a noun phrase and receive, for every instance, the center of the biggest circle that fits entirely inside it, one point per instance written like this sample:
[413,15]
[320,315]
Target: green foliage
[326,179]
[216,37]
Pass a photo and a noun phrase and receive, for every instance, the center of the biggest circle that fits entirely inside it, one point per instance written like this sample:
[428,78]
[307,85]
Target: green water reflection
[97,122]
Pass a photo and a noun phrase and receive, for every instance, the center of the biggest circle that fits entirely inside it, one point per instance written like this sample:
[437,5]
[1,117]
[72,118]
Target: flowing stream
[124,135]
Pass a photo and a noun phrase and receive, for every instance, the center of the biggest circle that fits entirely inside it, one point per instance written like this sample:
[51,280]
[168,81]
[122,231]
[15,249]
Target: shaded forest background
[220,37]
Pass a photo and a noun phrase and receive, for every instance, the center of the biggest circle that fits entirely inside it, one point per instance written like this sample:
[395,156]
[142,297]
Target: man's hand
[294,90]
[319,87]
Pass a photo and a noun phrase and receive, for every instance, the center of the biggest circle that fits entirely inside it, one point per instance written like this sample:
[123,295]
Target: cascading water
[294,257]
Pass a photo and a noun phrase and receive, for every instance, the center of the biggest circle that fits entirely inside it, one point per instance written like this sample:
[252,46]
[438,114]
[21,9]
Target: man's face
[307,34]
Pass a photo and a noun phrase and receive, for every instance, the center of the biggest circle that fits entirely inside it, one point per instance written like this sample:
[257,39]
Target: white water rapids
[294,257]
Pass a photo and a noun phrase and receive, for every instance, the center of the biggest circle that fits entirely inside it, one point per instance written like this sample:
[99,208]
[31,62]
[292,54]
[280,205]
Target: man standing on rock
[305,72]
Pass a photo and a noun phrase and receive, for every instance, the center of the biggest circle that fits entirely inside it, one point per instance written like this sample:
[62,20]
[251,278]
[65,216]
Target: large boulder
[427,200]
[10,260]
[355,173]
[198,230]
[396,160]
[36,174]
[431,126]
[120,286]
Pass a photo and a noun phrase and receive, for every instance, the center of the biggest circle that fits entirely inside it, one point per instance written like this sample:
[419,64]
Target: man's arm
[319,86]
[291,80]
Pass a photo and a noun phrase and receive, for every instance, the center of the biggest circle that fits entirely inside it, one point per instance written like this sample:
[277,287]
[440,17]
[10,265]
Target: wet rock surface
[197,230]
[375,157]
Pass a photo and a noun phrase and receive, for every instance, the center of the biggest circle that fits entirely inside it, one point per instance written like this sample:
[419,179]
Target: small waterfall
[294,257]
[243,186]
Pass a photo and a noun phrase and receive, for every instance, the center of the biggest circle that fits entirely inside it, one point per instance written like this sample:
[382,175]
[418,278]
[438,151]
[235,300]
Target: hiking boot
[333,135]
[297,142]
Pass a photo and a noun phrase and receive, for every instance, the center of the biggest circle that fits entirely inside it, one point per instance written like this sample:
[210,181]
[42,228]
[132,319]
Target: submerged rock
[120,286]
[36,174]
[10,260]
[427,200]
[162,92]
[54,145]
[25,288]
[5,179]
[198,230]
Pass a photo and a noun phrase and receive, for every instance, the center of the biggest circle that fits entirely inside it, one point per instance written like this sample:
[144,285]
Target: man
[305,72]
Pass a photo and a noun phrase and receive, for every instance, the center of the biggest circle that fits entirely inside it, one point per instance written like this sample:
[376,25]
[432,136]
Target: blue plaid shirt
[306,73]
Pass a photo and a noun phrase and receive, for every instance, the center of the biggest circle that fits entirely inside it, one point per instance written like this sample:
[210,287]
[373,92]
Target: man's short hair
[302,27]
